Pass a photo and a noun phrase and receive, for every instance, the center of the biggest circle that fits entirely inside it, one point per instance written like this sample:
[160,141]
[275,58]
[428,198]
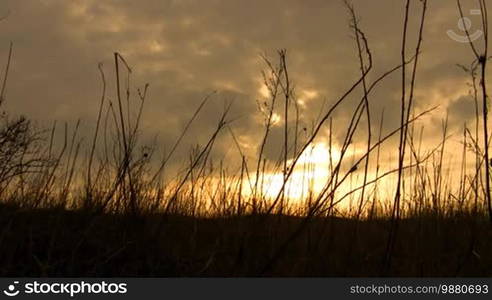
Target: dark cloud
[462,110]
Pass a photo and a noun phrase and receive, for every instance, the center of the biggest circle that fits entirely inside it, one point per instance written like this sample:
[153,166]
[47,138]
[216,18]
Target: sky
[187,49]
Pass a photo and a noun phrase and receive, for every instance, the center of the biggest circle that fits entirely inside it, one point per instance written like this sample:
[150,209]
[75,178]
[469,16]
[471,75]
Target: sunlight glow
[263,91]
[276,119]
[309,176]
[155,46]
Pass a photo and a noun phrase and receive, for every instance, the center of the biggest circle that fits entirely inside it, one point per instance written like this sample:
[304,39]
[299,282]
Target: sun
[311,173]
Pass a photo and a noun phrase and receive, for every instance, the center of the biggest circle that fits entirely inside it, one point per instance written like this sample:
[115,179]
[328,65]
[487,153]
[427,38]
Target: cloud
[187,49]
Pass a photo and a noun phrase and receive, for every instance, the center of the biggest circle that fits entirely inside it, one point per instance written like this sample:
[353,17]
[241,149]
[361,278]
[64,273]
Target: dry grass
[111,213]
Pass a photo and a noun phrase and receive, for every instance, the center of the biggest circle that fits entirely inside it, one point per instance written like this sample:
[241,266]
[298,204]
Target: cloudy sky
[185,49]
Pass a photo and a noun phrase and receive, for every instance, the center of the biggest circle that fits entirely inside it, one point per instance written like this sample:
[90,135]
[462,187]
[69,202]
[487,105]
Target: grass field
[107,205]
[58,243]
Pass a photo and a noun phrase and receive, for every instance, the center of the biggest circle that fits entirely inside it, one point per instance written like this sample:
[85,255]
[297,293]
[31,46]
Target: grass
[59,243]
[106,208]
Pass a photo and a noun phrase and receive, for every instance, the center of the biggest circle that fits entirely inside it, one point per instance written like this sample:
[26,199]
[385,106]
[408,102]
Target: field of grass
[56,242]
[101,206]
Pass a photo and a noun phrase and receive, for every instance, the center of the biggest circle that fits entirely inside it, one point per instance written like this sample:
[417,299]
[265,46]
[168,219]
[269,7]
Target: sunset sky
[186,49]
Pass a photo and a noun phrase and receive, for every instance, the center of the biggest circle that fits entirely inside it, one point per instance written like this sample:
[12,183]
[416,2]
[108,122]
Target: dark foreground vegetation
[57,242]
[104,206]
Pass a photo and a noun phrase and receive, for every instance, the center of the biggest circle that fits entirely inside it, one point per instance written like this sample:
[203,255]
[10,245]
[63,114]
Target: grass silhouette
[110,213]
